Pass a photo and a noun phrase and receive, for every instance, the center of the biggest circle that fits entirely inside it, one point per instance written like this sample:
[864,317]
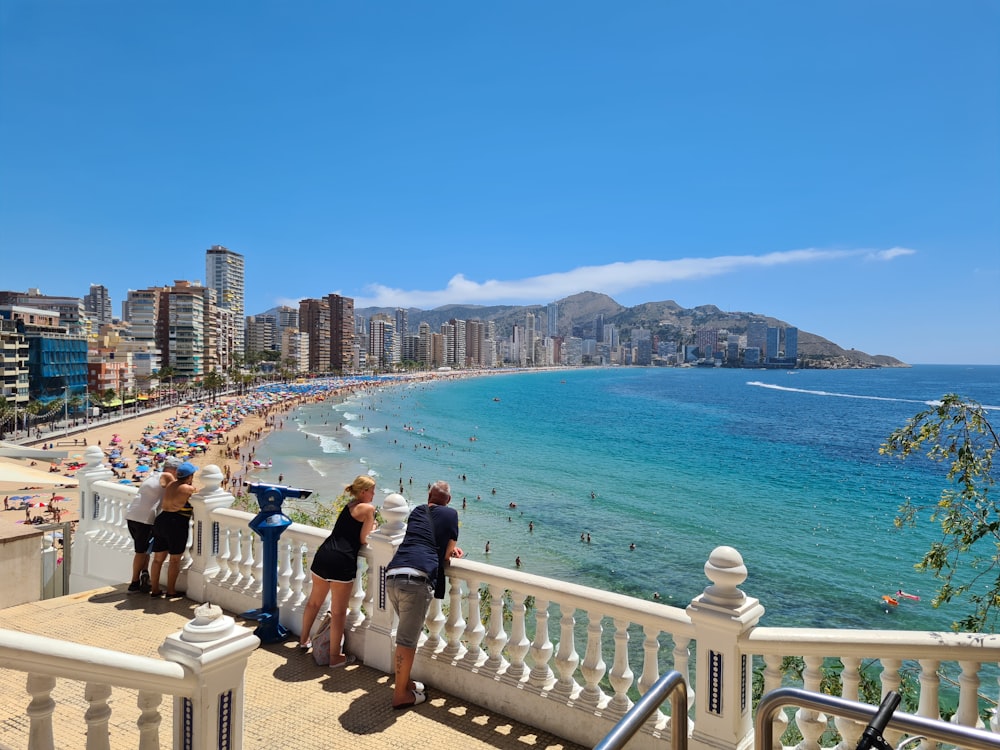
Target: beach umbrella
[58,497]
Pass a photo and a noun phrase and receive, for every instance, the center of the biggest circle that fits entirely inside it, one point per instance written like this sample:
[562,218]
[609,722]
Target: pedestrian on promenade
[335,566]
[415,575]
[170,529]
[140,514]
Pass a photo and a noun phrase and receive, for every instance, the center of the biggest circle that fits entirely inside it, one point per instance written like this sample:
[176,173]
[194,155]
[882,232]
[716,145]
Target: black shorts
[170,532]
[334,565]
[142,535]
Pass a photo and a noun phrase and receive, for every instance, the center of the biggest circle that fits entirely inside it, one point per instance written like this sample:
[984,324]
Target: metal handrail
[933,729]
[671,684]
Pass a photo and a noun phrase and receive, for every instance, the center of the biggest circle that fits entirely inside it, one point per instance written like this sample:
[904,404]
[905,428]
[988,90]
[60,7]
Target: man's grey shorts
[410,598]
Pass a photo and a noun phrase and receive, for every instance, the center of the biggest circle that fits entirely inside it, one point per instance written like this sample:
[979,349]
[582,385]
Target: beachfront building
[262,334]
[181,329]
[72,315]
[381,342]
[342,345]
[314,321]
[97,304]
[13,369]
[295,349]
[57,360]
[225,273]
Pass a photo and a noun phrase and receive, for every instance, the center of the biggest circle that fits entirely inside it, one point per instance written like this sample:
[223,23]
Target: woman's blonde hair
[361,483]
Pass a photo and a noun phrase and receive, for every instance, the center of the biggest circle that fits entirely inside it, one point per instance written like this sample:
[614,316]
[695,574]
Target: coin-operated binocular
[269,523]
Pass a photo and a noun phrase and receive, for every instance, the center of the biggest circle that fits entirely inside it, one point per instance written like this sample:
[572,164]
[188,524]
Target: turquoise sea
[781,465]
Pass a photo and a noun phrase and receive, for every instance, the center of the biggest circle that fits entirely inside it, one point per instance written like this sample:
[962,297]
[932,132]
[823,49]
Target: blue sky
[834,165]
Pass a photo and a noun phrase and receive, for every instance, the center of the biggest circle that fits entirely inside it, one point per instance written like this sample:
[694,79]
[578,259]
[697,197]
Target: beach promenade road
[290,702]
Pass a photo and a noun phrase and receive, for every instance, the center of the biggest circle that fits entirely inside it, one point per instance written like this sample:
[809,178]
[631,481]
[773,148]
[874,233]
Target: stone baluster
[496,637]
[475,632]
[235,575]
[40,711]
[299,577]
[567,659]
[435,622]
[967,712]
[811,723]
[850,730]
[682,663]
[540,677]
[257,590]
[380,624]
[204,538]
[149,720]
[722,616]
[122,538]
[355,612]
[216,651]
[593,667]
[891,681]
[97,716]
[284,577]
[454,626]
[621,675]
[650,669]
[772,681]
[247,562]
[930,684]
[518,643]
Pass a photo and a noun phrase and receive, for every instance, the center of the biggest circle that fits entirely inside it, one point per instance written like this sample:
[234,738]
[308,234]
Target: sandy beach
[224,433]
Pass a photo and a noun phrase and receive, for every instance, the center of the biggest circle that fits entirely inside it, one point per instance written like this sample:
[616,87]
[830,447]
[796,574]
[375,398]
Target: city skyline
[833,167]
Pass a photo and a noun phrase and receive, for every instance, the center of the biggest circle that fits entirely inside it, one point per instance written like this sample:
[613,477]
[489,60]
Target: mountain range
[666,319]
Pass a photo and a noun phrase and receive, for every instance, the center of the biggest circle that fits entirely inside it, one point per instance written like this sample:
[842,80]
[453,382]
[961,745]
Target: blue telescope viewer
[269,523]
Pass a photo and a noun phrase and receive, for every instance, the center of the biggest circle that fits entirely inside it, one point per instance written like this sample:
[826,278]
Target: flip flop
[351,658]
[418,686]
[305,646]
[418,698]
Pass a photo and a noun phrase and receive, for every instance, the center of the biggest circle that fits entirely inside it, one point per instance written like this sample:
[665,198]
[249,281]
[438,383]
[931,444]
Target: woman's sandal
[418,698]
[305,646]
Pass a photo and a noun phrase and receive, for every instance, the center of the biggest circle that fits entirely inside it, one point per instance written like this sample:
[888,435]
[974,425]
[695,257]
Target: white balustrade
[589,654]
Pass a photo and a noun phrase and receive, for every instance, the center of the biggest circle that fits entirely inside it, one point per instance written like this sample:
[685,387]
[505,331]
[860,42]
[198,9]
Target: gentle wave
[314,465]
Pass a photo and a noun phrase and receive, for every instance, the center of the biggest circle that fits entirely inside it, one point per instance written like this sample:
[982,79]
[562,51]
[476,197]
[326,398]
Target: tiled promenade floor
[290,702]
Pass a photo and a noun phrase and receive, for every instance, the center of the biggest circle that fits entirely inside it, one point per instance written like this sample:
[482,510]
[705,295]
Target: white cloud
[611,279]
[890,254]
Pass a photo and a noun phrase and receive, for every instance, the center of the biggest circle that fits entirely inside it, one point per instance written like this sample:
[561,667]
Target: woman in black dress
[335,566]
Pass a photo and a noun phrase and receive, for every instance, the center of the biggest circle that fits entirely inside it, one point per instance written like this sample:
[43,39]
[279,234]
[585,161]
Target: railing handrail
[896,644]
[581,597]
[937,730]
[37,654]
[671,684]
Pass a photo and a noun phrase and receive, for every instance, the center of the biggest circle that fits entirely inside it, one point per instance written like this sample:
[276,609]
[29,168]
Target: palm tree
[213,381]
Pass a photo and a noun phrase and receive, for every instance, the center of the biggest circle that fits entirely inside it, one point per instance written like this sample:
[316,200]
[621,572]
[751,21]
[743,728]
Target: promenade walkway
[290,702]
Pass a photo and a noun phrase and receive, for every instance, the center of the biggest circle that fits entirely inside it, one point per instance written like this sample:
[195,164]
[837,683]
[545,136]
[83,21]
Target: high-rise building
[380,341]
[552,320]
[262,333]
[791,343]
[341,333]
[225,273]
[772,348]
[97,304]
[756,335]
[314,321]
[183,308]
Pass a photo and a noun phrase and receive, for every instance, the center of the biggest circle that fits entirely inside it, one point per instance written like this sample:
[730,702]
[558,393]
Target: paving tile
[349,708]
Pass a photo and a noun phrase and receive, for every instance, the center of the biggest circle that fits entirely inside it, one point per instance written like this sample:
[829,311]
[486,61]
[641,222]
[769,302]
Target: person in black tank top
[335,566]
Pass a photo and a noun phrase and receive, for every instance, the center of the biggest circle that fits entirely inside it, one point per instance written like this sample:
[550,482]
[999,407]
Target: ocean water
[783,466]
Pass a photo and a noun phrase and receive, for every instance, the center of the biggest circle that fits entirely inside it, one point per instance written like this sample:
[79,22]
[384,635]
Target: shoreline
[238,425]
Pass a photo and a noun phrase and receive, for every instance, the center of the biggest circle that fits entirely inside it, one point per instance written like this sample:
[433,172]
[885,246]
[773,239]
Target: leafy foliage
[966,560]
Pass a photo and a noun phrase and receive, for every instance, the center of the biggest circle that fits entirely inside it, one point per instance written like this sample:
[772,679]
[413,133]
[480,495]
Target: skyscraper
[552,320]
[225,273]
[341,333]
[97,303]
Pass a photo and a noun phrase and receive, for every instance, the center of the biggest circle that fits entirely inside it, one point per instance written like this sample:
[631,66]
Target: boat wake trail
[771,386]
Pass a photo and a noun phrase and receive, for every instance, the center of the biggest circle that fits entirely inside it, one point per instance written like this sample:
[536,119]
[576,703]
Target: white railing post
[216,650]
[81,574]
[205,532]
[382,544]
[721,616]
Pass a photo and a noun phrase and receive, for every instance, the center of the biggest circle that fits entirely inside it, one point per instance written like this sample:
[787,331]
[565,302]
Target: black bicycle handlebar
[872,736]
